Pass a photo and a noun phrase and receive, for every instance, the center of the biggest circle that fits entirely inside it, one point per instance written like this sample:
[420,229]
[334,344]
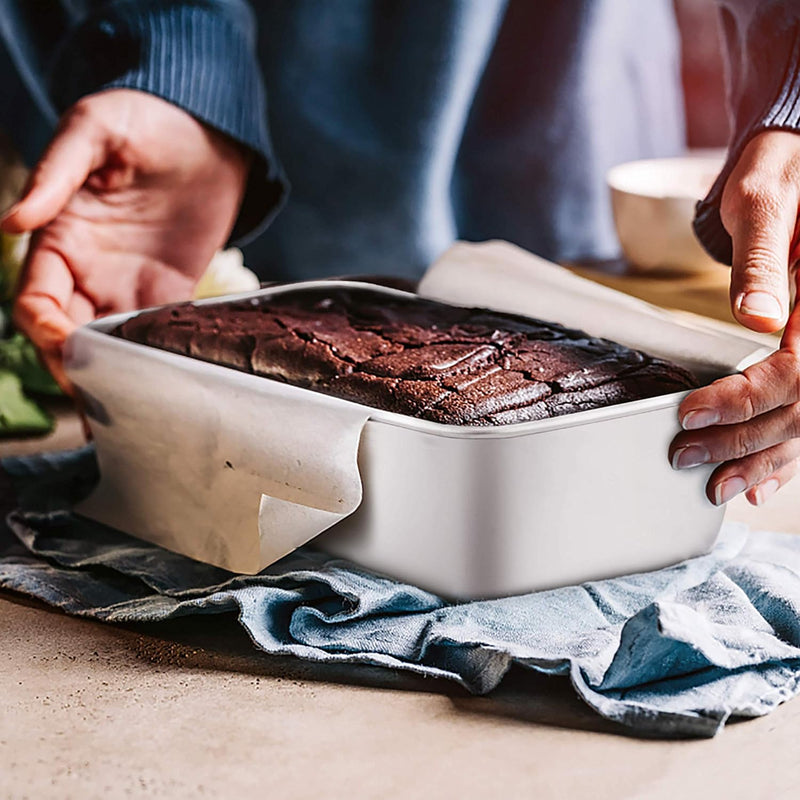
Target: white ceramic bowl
[653,203]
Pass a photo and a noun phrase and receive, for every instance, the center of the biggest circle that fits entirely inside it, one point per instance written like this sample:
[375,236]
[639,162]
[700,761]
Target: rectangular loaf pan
[190,452]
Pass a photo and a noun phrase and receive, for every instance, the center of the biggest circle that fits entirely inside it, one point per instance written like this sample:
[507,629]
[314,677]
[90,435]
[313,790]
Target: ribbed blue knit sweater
[403,124]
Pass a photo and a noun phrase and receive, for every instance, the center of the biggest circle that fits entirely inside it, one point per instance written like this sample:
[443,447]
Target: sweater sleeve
[197,54]
[762,39]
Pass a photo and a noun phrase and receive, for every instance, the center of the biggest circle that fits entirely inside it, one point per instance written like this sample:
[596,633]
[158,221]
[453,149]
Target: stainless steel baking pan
[239,470]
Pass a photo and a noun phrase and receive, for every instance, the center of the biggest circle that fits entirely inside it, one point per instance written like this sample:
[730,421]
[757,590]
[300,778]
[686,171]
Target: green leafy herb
[18,355]
[17,413]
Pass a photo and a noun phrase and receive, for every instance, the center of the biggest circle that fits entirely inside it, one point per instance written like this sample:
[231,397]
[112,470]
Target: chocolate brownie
[461,366]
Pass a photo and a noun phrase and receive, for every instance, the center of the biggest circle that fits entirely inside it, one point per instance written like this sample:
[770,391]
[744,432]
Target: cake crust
[421,358]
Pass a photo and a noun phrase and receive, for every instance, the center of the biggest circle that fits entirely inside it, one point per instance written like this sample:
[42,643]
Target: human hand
[128,204]
[749,423]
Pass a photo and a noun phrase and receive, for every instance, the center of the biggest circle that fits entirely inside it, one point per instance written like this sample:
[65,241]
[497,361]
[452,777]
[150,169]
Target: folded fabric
[670,653]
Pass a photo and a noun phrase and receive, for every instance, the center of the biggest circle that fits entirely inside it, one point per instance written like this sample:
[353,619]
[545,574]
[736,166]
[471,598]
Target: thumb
[77,150]
[761,227]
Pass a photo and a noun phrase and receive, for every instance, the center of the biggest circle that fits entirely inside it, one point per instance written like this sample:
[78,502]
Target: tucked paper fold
[222,466]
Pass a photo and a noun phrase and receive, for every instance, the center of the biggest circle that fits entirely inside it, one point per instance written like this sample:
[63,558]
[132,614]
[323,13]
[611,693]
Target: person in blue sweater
[401,125]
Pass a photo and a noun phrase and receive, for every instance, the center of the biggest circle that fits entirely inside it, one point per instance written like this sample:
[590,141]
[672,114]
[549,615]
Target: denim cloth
[670,653]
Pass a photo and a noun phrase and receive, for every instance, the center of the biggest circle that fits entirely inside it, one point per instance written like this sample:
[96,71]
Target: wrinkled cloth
[672,653]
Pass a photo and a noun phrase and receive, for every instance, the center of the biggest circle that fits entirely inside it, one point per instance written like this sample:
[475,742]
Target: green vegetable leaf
[18,355]
[18,414]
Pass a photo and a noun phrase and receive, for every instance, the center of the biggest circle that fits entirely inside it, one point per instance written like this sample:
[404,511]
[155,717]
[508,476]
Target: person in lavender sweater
[401,125]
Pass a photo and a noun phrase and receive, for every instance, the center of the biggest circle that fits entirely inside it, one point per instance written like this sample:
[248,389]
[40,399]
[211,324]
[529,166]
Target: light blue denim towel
[669,653]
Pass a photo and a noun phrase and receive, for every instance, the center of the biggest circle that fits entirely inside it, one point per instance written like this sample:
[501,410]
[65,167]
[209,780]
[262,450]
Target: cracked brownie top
[461,366]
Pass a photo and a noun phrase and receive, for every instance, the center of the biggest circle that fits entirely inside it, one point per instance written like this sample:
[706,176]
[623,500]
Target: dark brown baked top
[461,366]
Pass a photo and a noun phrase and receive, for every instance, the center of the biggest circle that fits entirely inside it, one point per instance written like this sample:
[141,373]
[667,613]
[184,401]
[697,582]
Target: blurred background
[703,74]
[703,81]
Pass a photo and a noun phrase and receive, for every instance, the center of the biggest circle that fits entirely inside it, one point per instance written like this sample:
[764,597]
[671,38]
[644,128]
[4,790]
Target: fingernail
[728,489]
[693,455]
[765,490]
[759,304]
[700,418]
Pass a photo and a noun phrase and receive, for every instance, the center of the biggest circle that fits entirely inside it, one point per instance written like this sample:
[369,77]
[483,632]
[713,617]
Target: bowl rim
[619,177]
